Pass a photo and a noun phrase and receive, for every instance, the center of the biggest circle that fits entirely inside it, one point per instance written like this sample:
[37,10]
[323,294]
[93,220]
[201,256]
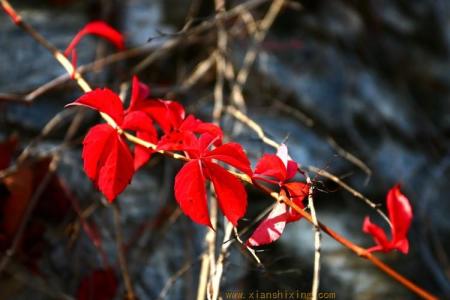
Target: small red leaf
[168,114]
[400,215]
[232,154]
[271,228]
[271,165]
[230,192]
[190,192]
[103,100]
[139,92]
[100,29]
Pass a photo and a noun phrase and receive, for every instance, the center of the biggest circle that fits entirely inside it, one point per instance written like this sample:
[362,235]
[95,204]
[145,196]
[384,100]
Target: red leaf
[378,235]
[168,114]
[179,141]
[94,145]
[190,192]
[139,92]
[232,154]
[138,121]
[118,169]
[271,165]
[99,285]
[103,100]
[195,125]
[400,215]
[231,194]
[100,29]
[297,192]
[271,228]
[107,160]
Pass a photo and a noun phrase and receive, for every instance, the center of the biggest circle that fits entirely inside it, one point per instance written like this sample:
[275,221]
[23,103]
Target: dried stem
[317,238]
[121,254]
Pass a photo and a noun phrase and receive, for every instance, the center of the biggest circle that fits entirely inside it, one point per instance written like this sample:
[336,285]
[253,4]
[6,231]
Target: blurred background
[360,89]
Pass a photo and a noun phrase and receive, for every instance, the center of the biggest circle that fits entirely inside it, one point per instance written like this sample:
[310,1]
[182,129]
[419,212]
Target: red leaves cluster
[110,164]
[400,216]
[108,160]
[278,169]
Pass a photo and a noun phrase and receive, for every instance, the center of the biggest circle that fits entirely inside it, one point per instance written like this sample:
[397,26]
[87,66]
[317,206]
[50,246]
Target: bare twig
[308,122]
[252,52]
[263,137]
[317,238]
[121,254]
[172,43]
[217,276]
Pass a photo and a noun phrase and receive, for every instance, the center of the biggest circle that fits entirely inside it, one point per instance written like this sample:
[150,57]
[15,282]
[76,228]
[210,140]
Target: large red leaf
[117,170]
[138,121]
[193,124]
[95,144]
[139,91]
[230,192]
[232,154]
[107,160]
[297,192]
[100,29]
[103,100]
[190,192]
[271,228]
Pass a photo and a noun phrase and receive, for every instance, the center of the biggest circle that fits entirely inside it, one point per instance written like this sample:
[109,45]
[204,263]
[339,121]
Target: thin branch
[263,137]
[252,52]
[299,115]
[317,238]
[217,276]
[121,254]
